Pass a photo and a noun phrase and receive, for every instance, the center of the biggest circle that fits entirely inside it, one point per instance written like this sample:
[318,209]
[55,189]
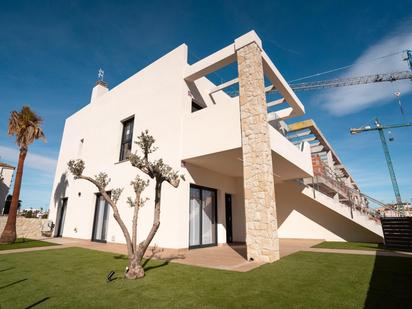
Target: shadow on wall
[389,286]
[60,191]
[289,198]
[204,177]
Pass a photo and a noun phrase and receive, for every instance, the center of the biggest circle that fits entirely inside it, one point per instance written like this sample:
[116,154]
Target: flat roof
[309,124]
[5,165]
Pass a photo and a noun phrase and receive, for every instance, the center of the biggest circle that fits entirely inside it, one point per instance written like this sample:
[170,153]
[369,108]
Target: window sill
[123,161]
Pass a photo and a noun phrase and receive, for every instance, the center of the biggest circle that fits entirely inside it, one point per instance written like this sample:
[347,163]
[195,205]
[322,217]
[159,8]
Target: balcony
[212,139]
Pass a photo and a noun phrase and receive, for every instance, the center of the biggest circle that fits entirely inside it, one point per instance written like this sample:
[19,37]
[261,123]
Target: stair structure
[335,208]
[397,232]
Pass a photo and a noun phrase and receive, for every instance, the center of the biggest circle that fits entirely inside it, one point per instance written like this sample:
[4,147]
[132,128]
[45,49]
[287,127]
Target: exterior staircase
[363,219]
[397,232]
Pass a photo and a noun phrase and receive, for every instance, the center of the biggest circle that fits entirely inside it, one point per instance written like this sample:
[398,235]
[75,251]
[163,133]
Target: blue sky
[50,52]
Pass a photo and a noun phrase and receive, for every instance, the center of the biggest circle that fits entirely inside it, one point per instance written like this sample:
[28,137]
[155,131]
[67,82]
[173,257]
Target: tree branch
[116,214]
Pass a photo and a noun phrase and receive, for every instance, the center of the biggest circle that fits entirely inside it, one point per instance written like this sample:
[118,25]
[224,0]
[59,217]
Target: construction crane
[342,82]
[380,128]
[359,80]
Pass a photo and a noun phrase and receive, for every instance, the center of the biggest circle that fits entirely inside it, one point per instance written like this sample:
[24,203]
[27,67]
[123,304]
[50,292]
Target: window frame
[123,141]
[215,191]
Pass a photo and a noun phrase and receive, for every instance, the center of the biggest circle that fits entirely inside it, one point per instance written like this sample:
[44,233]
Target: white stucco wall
[300,216]
[154,96]
[158,99]
[223,184]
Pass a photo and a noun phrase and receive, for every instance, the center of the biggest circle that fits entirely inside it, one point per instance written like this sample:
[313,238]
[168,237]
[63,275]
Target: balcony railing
[353,203]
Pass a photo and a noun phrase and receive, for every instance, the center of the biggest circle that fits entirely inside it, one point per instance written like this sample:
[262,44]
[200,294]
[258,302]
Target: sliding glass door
[100,219]
[202,217]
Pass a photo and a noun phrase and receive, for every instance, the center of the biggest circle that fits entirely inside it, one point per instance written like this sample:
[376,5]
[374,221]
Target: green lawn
[75,278]
[350,245]
[25,243]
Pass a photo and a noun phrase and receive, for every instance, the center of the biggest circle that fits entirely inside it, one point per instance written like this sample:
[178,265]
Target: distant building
[33,213]
[6,175]
[391,210]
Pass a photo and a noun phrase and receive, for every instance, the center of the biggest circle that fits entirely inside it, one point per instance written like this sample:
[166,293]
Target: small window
[196,107]
[127,137]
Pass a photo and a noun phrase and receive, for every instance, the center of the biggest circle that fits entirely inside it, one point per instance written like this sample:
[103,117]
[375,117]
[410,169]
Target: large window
[202,217]
[127,139]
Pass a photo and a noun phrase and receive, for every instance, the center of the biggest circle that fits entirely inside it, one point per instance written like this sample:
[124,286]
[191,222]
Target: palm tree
[25,125]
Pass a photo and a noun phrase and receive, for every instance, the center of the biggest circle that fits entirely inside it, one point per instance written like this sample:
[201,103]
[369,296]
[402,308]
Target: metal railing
[357,201]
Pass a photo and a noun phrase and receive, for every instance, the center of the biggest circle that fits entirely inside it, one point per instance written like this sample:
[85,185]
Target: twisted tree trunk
[9,234]
[157,170]
[135,268]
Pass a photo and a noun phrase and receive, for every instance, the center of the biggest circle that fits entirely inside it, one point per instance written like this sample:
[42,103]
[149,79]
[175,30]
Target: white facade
[6,176]
[204,145]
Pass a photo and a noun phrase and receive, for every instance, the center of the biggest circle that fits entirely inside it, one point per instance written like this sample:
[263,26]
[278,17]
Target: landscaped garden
[22,243]
[76,278]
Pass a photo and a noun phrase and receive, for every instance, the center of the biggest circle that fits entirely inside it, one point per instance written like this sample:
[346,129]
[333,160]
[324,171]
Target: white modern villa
[253,174]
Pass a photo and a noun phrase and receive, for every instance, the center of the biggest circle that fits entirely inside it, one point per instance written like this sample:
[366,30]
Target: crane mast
[389,162]
[380,128]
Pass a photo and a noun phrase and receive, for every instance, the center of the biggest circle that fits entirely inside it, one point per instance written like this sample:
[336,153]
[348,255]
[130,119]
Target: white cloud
[34,161]
[347,100]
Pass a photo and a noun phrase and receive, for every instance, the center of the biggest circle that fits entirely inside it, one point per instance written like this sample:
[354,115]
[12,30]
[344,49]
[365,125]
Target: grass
[75,278]
[21,243]
[350,245]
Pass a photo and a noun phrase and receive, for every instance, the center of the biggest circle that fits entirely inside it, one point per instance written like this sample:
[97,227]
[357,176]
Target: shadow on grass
[389,286]
[154,254]
[11,284]
[6,269]
[38,302]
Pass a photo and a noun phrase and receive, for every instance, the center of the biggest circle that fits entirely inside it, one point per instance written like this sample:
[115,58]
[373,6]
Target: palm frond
[26,126]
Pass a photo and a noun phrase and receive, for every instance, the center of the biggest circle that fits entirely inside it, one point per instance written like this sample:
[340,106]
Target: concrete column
[260,209]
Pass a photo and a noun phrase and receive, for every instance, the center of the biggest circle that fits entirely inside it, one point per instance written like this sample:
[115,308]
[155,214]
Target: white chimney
[98,90]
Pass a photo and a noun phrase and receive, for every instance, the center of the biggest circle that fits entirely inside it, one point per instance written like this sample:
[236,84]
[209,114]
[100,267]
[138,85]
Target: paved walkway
[224,257]
[362,252]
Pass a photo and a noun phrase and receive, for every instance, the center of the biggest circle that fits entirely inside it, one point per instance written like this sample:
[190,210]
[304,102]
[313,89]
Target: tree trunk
[135,270]
[116,214]
[134,222]
[9,234]
[142,248]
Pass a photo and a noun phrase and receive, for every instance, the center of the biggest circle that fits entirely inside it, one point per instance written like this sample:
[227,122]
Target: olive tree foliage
[158,171]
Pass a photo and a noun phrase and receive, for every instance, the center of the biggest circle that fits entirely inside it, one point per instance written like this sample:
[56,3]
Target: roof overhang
[228,55]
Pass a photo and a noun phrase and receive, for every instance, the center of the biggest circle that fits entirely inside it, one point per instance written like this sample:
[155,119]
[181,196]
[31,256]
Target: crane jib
[340,82]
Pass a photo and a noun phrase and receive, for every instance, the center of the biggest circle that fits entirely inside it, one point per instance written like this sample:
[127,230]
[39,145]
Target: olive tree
[157,170]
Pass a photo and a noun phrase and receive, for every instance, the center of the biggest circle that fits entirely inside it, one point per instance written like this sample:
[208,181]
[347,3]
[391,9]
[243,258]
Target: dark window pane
[196,107]
[127,137]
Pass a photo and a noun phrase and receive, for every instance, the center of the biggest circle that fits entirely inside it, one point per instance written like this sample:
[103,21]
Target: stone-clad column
[260,208]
